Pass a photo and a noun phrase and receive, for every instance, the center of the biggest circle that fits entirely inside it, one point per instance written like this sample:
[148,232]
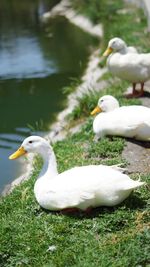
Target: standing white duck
[125,63]
[80,187]
[127,121]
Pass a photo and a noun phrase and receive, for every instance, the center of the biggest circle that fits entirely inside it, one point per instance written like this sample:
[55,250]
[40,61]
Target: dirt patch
[137,154]
[138,157]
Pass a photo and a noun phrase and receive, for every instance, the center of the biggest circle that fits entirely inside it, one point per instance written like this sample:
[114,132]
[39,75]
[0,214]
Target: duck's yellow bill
[96,110]
[20,152]
[108,52]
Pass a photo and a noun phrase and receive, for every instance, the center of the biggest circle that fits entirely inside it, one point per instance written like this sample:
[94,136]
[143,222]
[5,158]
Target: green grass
[89,100]
[115,237]
[106,237]
[130,24]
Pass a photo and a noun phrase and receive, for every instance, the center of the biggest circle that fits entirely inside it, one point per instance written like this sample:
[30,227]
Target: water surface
[36,62]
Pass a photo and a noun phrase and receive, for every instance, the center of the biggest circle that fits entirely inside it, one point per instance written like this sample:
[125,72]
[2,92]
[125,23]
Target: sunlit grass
[101,238]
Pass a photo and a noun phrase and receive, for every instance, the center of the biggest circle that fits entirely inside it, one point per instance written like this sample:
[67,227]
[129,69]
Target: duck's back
[133,67]
[127,121]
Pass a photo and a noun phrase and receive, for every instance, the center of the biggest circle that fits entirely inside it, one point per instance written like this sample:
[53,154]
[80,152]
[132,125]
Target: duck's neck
[123,50]
[49,168]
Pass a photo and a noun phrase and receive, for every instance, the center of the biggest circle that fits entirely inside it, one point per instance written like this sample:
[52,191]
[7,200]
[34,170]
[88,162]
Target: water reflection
[27,101]
[37,61]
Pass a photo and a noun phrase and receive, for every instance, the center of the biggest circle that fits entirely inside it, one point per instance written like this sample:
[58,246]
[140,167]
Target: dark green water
[36,62]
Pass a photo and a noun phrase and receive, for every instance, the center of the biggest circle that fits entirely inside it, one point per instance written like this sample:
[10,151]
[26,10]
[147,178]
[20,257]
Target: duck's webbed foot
[136,93]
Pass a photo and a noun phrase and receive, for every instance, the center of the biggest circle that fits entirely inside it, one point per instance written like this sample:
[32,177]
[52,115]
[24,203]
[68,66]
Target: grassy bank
[107,237]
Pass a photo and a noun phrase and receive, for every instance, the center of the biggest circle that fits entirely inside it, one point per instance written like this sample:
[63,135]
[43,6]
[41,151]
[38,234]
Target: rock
[137,153]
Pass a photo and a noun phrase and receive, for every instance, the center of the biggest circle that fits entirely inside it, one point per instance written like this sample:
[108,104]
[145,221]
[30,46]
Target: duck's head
[115,45]
[32,144]
[105,104]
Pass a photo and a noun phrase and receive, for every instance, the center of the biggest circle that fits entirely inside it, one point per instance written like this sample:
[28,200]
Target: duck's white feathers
[133,67]
[127,121]
[83,187]
[132,49]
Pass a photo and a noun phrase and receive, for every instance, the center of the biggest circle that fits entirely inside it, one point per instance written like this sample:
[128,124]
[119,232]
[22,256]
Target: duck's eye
[30,142]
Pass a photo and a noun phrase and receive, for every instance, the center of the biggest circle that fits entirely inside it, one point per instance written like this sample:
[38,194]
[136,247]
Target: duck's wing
[75,198]
[140,61]
[119,168]
[132,49]
[138,122]
[79,187]
[132,60]
[71,196]
[131,118]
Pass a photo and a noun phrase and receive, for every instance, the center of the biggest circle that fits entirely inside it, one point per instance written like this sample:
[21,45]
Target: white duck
[80,187]
[127,121]
[125,63]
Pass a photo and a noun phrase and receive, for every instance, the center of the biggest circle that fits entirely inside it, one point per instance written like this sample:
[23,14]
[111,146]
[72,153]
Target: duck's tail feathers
[133,185]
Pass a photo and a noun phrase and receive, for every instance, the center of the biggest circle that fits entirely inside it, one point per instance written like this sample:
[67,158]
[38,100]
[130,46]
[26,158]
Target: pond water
[36,62]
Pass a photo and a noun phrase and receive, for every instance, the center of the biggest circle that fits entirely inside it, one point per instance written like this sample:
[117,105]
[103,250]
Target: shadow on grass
[145,144]
[132,203]
[146,94]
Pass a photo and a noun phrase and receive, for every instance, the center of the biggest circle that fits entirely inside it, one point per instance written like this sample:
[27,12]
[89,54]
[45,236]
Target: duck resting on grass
[80,187]
[125,63]
[127,121]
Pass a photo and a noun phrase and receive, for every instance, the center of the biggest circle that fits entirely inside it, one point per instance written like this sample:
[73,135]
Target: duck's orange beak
[20,152]
[96,110]
[108,51]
